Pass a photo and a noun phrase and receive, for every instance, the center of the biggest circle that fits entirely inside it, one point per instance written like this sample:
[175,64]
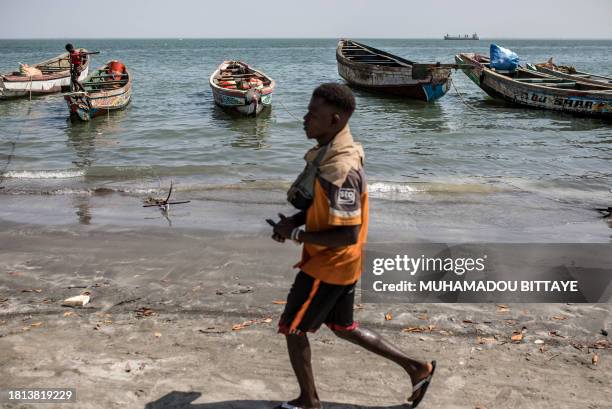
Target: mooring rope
[287,109]
[8,161]
[461,96]
[13,143]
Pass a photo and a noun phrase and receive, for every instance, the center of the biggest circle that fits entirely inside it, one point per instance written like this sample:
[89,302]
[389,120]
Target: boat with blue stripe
[375,70]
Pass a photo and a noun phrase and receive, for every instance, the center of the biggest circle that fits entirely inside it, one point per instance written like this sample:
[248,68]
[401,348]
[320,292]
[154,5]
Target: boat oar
[83,53]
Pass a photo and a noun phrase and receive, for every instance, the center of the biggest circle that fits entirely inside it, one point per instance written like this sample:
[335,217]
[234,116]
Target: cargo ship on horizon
[462,37]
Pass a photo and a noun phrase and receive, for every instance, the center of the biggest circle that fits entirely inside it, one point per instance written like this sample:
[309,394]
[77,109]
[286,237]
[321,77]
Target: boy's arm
[298,219]
[337,237]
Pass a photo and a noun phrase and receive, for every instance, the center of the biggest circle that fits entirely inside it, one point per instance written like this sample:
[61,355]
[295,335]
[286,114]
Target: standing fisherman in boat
[332,195]
[76,66]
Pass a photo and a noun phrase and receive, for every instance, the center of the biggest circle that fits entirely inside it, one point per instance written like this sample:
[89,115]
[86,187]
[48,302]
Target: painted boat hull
[12,86]
[238,103]
[86,114]
[245,102]
[85,106]
[396,84]
[398,81]
[596,103]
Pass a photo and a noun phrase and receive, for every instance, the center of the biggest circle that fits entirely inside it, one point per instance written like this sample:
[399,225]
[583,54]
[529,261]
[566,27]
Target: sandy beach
[186,318]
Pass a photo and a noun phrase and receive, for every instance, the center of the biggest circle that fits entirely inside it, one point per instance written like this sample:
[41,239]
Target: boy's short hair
[69,47]
[337,95]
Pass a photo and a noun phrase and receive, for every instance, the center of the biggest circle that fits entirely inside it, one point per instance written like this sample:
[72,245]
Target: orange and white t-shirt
[341,203]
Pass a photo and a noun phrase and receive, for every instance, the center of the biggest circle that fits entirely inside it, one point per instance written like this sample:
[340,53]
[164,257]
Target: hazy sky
[310,18]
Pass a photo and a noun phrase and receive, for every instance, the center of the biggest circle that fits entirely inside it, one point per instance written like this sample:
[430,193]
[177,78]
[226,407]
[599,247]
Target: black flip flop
[422,386]
[286,405]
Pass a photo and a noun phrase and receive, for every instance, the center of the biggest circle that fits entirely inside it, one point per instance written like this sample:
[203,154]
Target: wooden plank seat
[102,83]
[549,82]
[378,62]
[559,84]
[238,76]
[371,58]
[539,80]
[503,71]
[108,76]
[360,55]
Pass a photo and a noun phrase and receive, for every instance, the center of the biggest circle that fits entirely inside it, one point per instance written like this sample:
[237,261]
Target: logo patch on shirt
[346,196]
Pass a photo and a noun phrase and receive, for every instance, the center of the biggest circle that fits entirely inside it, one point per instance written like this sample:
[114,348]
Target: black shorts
[312,302]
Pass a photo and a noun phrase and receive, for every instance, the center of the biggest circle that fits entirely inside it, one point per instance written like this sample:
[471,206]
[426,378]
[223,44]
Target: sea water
[465,167]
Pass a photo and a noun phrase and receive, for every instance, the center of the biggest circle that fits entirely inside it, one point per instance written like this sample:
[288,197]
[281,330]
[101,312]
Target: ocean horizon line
[301,38]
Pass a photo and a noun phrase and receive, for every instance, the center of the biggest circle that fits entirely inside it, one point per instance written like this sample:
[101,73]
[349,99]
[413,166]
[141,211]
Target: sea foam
[44,174]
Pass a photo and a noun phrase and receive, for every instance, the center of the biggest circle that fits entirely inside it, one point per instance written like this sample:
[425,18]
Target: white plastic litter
[78,301]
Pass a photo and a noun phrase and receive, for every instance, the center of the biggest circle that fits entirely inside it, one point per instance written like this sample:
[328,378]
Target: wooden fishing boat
[54,77]
[107,89]
[375,70]
[241,88]
[570,73]
[538,90]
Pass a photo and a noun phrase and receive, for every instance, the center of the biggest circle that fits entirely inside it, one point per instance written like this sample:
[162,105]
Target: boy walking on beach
[336,224]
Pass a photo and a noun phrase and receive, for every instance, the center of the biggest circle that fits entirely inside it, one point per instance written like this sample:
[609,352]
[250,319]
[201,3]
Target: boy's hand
[275,236]
[284,227]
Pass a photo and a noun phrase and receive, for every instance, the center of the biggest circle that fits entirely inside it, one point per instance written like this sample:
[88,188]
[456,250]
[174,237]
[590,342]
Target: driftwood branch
[164,204]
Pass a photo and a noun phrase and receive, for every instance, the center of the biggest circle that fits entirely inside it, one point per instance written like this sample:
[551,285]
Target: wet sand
[158,331]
